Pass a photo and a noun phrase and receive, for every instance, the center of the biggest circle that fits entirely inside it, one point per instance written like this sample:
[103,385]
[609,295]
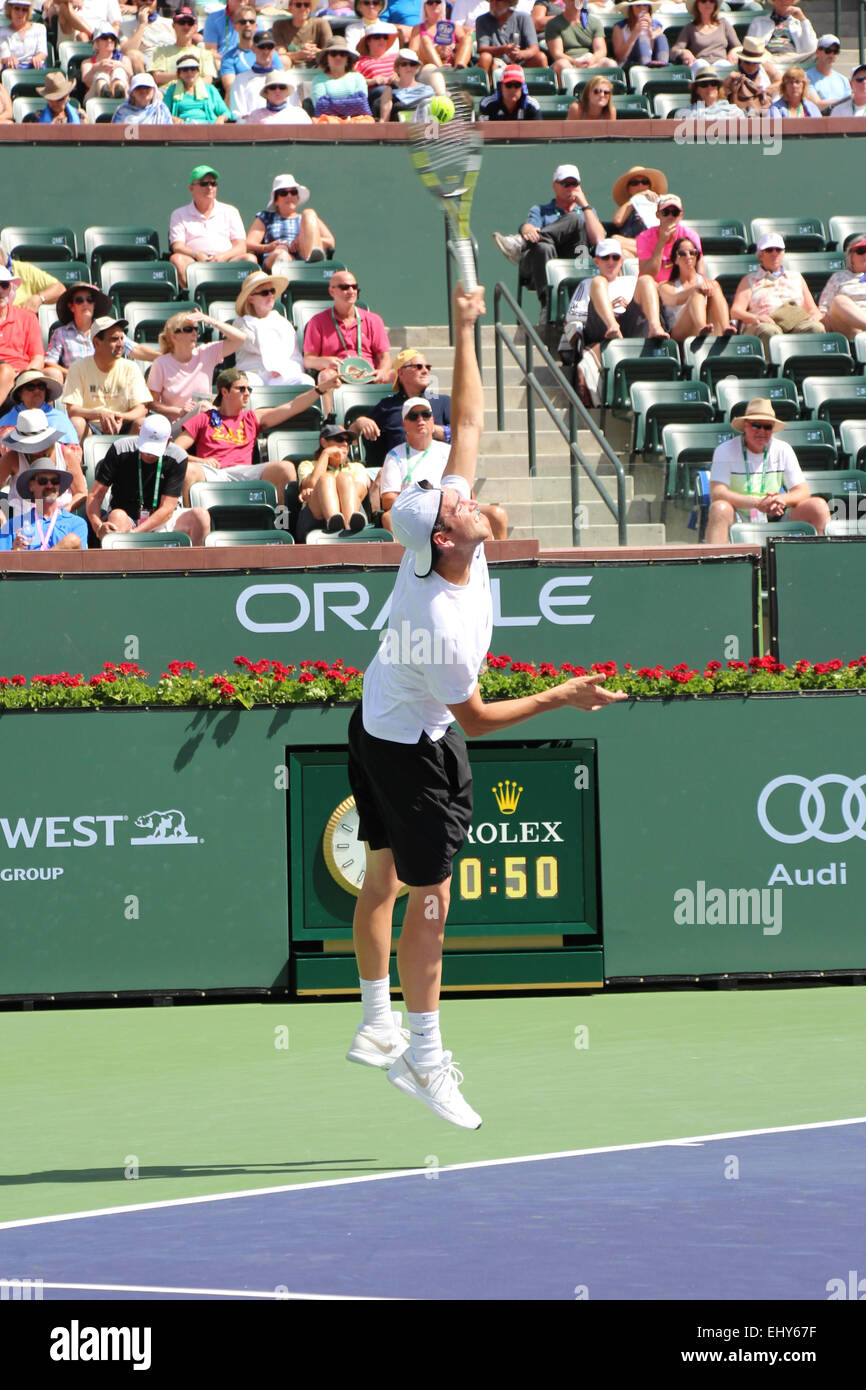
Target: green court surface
[223,1098]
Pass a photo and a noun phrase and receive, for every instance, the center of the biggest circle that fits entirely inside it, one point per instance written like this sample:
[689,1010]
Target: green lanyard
[749,474]
[340,332]
[155,486]
[417,464]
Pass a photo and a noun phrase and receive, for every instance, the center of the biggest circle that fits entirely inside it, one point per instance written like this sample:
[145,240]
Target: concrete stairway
[538,507]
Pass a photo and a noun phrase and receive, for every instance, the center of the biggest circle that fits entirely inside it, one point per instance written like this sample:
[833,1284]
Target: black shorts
[632,324]
[412,798]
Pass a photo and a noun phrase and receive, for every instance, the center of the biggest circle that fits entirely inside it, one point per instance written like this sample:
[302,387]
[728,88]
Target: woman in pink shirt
[378,49]
[180,380]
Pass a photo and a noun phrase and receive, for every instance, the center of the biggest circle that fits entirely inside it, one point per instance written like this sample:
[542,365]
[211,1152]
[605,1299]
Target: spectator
[103,393]
[382,428]
[38,391]
[45,524]
[192,101]
[511,100]
[58,109]
[468,12]
[143,106]
[612,305]
[220,35]
[595,102]
[246,92]
[378,49]
[694,306]
[205,230]
[638,39]
[20,336]
[636,195]
[405,14]
[268,353]
[560,228]
[507,36]
[773,299]
[163,61]
[108,72]
[344,331]
[80,19]
[843,298]
[34,434]
[241,58]
[333,487]
[857,105]
[438,40]
[827,88]
[746,95]
[792,101]
[153,31]
[77,307]
[402,100]
[299,38]
[282,232]
[281,105]
[748,474]
[23,44]
[710,36]
[224,437]
[754,64]
[786,31]
[339,93]
[575,39]
[146,474]
[368,12]
[655,245]
[705,95]
[421,458]
[180,380]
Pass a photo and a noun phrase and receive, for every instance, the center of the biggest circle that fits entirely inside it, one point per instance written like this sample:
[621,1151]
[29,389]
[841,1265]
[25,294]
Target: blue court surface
[769,1214]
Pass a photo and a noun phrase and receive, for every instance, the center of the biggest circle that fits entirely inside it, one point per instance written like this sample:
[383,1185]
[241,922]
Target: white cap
[154,435]
[406,55]
[412,402]
[566,171]
[608,246]
[413,517]
[828,40]
[142,79]
[770,240]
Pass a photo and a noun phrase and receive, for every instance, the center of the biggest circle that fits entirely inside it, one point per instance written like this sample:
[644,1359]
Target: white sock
[425,1041]
[376,1001]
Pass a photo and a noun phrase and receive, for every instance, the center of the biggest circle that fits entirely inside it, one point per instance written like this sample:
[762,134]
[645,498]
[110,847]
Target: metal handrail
[578,415]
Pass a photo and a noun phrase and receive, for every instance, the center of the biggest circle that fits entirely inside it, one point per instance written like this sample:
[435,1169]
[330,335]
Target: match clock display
[528,864]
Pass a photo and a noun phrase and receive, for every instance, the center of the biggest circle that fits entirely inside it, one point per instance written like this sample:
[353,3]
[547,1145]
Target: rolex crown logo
[507,796]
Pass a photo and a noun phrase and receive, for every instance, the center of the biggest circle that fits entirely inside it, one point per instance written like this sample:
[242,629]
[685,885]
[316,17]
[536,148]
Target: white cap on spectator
[770,240]
[288,181]
[406,55]
[154,435]
[828,40]
[608,246]
[412,402]
[142,79]
[566,171]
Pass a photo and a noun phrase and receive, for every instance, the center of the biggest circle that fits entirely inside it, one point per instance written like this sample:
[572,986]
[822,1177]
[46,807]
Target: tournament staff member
[408,768]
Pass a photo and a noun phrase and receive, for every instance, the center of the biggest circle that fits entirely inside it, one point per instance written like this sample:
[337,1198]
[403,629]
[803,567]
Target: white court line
[425,1172]
[227,1293]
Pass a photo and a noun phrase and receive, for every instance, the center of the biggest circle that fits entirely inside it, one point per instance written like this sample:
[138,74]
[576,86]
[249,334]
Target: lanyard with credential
[155,485]
[410,468]
[340,332]
[750,475]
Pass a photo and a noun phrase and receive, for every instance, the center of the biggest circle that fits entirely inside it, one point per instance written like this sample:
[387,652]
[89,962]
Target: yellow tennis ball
[442,109]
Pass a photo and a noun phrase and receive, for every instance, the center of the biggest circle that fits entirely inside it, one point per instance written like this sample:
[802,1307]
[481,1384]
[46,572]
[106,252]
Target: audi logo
[813,808]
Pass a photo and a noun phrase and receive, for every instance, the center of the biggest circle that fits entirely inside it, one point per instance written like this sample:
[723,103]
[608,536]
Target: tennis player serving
[408,766]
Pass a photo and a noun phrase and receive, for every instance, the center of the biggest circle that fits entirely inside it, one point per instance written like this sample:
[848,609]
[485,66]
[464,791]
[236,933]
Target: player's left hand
[588,692]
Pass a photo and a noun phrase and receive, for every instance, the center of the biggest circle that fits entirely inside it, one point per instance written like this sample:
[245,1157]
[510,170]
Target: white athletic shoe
[439,1089]
[510,246]
[379,1047]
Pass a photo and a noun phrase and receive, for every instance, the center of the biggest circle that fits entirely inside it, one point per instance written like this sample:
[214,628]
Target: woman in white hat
[144,105]
[639,39]
[269,354]
[181,378]
[710,36]
[34,437]
[108,73]
[288,230]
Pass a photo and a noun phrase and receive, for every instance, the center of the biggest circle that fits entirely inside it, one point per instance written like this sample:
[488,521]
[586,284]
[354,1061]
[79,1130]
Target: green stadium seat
[233,538]
[293,446]
[650,81]
[801,355]
[689,448]
[729,271]
[352,401]
[144,540]
[103,244]
[839,528]
[722,236]
[575,79]
[632,106]
[126,280]
[759,532]
[816,267]
[472,81]
[711,358]
[554,105]
[814,443]
[22,82]
[206,282]
[147,318]
[67,272]
[859,346]
[835,399]
[840,229]
[540,80]
[625,361]
[801,233]
[852,442]
[839,487]
[665,105]
[656,404]
[101,109]
[235,505]
[39,243]
[563,276]
[734,393]
[309,281]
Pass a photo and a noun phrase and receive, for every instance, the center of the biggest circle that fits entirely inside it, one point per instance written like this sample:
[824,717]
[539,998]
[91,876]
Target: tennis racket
[447,159]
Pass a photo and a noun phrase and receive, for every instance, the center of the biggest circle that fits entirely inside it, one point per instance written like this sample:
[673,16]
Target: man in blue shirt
[44,524]
[243,57]
[826,86]
[34,391]
[219,32]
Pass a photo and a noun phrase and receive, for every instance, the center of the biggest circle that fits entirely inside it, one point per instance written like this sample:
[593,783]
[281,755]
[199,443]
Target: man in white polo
[205,229]
[749,473]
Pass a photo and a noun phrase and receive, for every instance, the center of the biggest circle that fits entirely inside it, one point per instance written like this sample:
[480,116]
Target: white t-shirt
[747,472]
[246,94]
[432,650]
[406,465]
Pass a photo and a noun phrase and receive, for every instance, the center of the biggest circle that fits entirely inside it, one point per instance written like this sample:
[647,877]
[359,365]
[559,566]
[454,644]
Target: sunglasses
[857,250]
[185,23]
[669,212]
[764,429]
[569,183]
[263,294]
[643,183]
[278,87]
[611,256]
[415,366]
[244,390]
[265,46]
[187,328]
[346,287]
[708,82]
[687,255]
[84,299]
[45,482]
[207,183]
[599,92]
[420,415]
[287,193]
[823,50]
[512,84]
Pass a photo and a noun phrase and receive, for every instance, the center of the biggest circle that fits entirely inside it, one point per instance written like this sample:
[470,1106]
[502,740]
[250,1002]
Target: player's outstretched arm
[581,692]
[467,395]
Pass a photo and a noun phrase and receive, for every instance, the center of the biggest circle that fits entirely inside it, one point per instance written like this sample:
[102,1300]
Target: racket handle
[466,262]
